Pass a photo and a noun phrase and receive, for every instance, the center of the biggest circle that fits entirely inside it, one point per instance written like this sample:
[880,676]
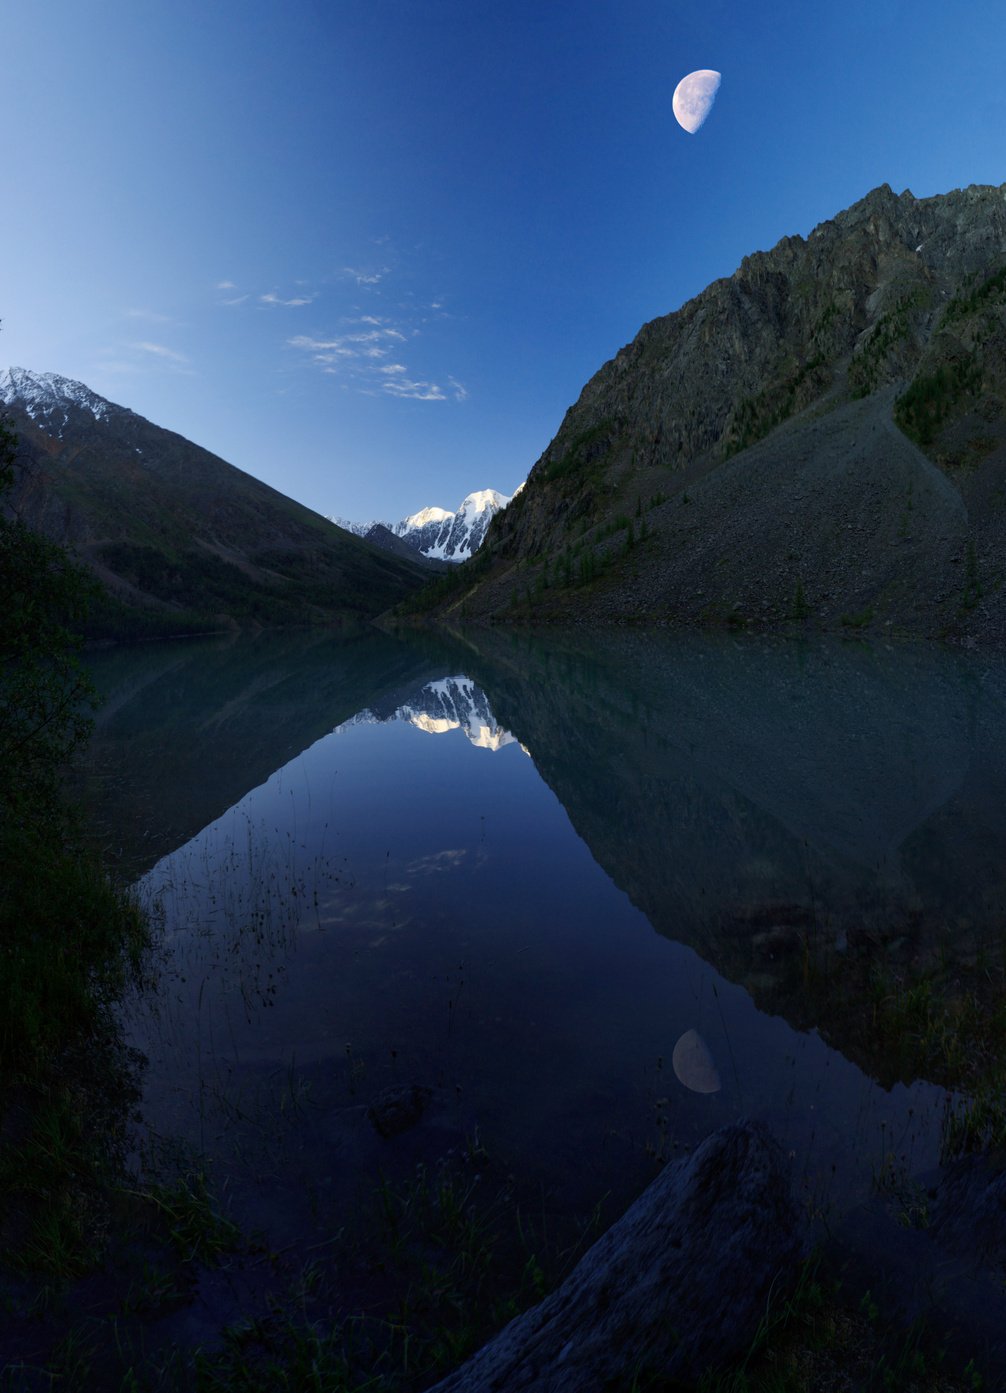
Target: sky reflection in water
[407,901]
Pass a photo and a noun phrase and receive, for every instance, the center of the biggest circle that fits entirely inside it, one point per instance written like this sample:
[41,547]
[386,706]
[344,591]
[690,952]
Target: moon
[693,98]
[694,1065]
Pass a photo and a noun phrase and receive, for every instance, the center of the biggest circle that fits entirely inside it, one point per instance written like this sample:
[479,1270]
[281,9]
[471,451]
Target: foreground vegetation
[69,939]
[427,1270]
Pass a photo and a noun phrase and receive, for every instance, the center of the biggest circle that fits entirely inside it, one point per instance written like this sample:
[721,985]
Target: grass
[70,944]
[429,1269]
[432,1267]
[822,1339]
[195,1228]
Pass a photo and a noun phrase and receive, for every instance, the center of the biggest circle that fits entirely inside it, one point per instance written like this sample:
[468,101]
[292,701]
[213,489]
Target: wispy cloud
[372,340]
[311,345]
[359,354]
[273,299]
[142,357]
[238,299]
[369,277]
[268,297]
[416,391]
[149,316]
[160,350]
[363,343]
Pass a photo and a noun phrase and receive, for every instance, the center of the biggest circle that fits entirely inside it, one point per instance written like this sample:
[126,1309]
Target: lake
[592,895]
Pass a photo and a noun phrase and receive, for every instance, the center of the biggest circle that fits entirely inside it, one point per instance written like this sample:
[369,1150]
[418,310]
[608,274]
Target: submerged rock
[397,1109]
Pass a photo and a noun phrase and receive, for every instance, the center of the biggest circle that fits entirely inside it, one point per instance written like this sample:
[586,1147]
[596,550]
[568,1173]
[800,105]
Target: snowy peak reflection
[449,703]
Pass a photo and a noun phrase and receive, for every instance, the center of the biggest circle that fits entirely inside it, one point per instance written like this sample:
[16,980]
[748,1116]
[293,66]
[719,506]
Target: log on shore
[676,1287]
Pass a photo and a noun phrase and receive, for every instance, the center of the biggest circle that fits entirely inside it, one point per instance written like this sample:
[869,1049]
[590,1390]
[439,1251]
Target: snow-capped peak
[475,503]
[452,536]
[44,395]
[435,532]
[359,529]
[424,516]
[49,399]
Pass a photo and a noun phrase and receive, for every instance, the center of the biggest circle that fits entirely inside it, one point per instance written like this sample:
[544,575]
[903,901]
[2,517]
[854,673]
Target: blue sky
[370,252]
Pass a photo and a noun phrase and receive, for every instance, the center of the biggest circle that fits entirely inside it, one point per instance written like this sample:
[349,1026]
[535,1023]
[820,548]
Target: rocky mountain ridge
[49,398]
[437,533]
[181,540]
[819,437]
[452,536]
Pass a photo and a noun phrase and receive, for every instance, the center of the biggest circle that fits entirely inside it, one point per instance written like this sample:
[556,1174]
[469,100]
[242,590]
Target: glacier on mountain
[452,536]
[438,533]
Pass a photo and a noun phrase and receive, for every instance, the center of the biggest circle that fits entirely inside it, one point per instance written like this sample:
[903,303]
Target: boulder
[676,1287]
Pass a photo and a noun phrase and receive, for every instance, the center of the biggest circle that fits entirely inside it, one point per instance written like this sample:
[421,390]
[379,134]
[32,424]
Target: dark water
[520,872]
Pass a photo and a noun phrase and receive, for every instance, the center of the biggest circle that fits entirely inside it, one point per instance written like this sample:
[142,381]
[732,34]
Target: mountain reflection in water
[380,908]
[451,703]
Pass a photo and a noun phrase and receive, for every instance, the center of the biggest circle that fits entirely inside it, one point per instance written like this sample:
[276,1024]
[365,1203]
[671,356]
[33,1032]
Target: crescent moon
[693,98]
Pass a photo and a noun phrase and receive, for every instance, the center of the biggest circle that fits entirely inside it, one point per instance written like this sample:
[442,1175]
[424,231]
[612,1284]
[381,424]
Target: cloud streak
[271,298]
[149,316]
[366,277]
[268,297]
[142,357]
[160,350]
[415,391]
[358,354]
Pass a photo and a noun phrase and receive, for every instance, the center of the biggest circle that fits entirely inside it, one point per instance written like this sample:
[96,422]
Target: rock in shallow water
[397,1109]
[676,1287]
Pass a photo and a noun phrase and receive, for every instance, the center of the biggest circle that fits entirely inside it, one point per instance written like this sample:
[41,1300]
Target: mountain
[452,536]
[379,535]
[442,705]
[435,533]
[818,439]
[181,540]
[358,529]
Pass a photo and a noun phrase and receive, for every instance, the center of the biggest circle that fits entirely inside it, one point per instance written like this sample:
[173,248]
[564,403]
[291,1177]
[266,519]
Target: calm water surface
[517,872]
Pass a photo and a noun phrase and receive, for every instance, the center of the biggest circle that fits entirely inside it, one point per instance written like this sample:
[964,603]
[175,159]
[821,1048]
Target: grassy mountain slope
[820,437]
[181,539]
